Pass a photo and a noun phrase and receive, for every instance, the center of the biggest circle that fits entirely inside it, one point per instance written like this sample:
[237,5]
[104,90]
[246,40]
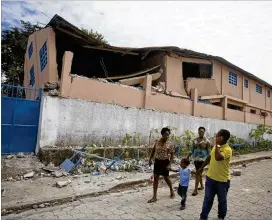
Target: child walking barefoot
[184,179]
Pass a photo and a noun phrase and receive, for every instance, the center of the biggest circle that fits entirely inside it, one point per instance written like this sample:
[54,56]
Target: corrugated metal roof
[59,22]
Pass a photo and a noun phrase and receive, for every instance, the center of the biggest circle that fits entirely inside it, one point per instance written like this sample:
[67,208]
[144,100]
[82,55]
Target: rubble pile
[160,88]
[98,168]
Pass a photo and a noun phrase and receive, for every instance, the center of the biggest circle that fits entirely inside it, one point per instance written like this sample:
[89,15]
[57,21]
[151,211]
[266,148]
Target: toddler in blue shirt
[184,179]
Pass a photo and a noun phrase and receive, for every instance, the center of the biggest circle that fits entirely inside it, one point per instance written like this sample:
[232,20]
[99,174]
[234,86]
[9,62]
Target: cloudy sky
[240,32]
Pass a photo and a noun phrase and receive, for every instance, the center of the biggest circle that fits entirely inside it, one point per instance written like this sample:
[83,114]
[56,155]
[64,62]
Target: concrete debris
[58,174]
[41,206]
[10,156]
[20,155]
[87,181]
[29,175]
[35,206]
[61,184]
[237,172]
[102,80]
[159,88]
[54,92]
[51,86]
[119,177]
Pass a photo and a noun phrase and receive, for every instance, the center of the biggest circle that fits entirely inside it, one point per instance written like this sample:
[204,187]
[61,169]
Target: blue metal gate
[20,108]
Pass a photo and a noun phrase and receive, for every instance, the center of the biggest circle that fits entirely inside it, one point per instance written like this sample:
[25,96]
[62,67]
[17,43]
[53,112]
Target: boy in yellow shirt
[218,176]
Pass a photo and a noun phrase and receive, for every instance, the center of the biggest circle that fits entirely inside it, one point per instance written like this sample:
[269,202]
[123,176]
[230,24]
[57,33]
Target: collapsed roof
[60,24]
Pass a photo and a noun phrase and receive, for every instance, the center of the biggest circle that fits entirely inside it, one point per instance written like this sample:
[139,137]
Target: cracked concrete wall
[66,122]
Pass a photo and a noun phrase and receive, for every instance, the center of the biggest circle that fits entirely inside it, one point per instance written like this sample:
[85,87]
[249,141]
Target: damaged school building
[104,92]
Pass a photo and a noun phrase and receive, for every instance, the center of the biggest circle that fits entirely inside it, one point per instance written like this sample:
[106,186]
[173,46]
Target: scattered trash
[29,175]
[69,164]
[244,165]
[61,184]
[96,173]
[102,168]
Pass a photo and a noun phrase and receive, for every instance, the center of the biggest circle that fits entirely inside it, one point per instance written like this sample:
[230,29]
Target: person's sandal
[194,193]
[152,200]
[200,188]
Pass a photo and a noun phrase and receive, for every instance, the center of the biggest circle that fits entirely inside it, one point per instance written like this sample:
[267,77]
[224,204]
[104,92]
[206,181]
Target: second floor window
[233,78]
[259,89]
[268,93]
[246,83]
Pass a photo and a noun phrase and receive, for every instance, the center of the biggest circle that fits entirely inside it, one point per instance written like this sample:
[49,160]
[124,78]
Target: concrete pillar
[65,83]
[147,88]
[194,97]
[225,107]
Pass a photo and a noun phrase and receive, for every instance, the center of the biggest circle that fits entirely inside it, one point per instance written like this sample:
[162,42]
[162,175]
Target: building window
[233,78]
[32,76]
[43,56]
[259,89]
[252,111]
[246,83]
[263,114]
[268,93]
[30,50]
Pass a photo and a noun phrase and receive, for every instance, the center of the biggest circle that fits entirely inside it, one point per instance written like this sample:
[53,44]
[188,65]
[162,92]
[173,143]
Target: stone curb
[117,188]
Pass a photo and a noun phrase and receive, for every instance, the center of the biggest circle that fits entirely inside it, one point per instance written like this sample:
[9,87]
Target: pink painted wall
[208,111]
[49,73]
[170,104]
[233,115]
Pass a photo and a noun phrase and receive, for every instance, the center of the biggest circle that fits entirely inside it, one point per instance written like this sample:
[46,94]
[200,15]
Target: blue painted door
[19,119]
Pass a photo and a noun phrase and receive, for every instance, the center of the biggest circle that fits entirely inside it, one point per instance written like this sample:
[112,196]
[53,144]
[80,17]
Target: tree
[13,48]
[95,35]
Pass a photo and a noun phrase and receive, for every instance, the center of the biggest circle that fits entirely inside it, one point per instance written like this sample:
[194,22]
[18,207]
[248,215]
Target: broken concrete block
[41,206]
[236,172]
[20,155]
[119,177]
[10,156]
[87,181]
[58,174]
[61,184]
[29,175]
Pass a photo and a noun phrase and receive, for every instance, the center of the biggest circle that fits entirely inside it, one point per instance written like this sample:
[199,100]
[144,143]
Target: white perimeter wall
[67,122]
